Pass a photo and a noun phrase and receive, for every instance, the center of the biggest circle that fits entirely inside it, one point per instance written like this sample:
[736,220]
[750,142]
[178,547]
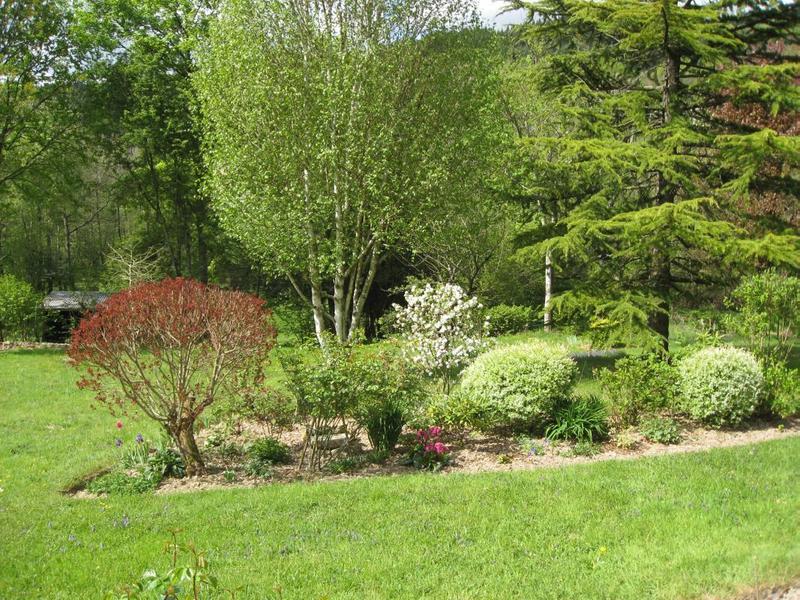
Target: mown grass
[673,527]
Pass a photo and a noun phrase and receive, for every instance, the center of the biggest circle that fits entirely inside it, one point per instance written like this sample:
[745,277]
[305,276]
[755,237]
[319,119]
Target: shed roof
[64,300]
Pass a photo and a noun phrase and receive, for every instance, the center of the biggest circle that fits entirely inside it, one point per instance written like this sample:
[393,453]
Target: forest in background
[623,158]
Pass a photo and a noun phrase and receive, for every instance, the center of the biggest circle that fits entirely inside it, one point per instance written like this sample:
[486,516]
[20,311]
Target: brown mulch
[471,453]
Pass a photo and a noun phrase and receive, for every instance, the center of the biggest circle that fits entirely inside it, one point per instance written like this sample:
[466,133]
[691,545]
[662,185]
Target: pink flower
[435,431]
[439,448]
[119,424]
[429,447]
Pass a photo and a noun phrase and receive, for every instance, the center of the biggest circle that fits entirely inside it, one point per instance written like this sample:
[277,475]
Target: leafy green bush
[509,319]
[720,386]
[142,466]
[264,454]
[769,313]
[273,408]
[20,311]
[457,411]
[270,450]
[390,391]
[340,387]
[582,420]
[164,462]
[327,394]
[638,386]
[520,386]
[782,386]
[256,467]
[120,483]
[661,430]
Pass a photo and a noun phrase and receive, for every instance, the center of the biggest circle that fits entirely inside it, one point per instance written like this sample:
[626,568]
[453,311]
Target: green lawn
[658,528]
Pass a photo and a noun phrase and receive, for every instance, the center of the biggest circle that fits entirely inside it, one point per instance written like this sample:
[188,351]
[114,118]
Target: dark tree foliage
[144,119]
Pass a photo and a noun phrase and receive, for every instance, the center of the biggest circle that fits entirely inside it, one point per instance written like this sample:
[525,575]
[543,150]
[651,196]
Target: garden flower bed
[469,452]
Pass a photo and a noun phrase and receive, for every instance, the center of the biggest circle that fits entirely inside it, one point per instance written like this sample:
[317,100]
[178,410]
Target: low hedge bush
[521,386]
[720,386]
[509,319]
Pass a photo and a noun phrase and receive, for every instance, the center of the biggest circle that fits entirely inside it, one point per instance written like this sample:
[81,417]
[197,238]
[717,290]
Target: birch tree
[332,128]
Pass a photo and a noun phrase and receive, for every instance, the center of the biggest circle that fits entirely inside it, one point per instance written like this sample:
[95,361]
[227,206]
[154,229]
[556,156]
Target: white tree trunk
[548,291]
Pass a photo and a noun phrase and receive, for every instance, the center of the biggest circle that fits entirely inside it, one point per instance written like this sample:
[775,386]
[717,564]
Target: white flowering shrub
[521,386]
[442,328]
[720,386]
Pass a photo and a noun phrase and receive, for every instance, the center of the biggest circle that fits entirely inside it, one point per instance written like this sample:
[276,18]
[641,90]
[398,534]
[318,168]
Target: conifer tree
[653,173]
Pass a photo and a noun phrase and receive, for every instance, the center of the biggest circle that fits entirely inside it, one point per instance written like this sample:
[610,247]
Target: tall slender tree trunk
[68,242]
[660,272]
[361,292]
[548,291]
[202,250]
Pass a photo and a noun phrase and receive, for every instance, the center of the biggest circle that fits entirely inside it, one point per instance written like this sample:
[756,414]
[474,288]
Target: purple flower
[118,442]
[139,438]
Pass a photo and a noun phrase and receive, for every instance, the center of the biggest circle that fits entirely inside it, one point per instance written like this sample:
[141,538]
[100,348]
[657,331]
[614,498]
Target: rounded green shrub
[720,386]
[521,386]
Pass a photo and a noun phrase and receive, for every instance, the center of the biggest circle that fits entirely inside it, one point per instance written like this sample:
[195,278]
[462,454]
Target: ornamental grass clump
[720,387]
[172,348]
[521,386]
[581,420]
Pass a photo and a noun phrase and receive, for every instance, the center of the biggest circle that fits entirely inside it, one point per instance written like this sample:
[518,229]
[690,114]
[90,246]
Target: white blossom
[442,327]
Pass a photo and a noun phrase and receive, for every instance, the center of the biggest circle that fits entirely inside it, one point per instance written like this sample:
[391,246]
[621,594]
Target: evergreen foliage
[650,167]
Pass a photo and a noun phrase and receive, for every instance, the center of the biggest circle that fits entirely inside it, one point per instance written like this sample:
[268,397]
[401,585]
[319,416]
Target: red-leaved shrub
[172,348]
